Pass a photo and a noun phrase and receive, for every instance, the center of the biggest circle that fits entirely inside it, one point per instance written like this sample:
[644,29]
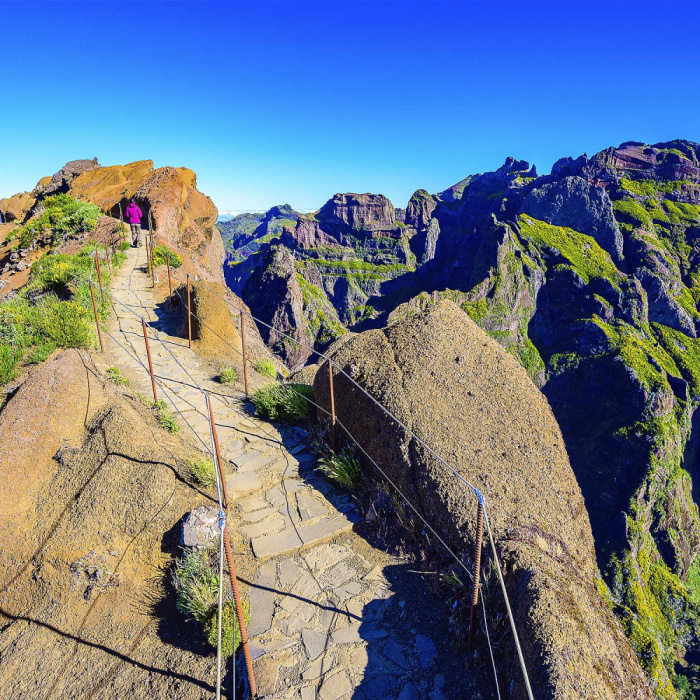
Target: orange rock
[14,209]
[108,186]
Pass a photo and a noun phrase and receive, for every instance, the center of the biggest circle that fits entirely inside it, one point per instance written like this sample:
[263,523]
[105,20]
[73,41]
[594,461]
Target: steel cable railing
[480,497]
[224,539]
[481,513]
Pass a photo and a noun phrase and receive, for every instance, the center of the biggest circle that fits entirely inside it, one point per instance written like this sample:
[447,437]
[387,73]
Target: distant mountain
[245,233]
[590,276]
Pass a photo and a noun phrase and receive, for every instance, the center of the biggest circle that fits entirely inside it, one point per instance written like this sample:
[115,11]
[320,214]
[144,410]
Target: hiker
[134,216]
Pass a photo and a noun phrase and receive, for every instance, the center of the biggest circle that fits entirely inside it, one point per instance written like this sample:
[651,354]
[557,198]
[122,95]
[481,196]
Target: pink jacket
[133,214]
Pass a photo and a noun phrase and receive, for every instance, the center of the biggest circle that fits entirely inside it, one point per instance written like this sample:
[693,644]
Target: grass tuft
[283,401]
[116,377]
[202,471]
[265,367]
[197,585]
[228,375]
[160,255]
[341,467]
[165,418]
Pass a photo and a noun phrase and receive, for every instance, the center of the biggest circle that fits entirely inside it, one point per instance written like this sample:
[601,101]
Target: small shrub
[266,367]
[283,401]
[227,615]
[228,375]
[165,418]
[161,252]
[116,377]
[202,471]
[40,353]
[341,467]
[9,359]
[67,323]
[197,585]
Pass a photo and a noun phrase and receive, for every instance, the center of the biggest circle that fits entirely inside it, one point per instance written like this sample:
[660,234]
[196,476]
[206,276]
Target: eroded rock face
[362,212]
[62,180]
[574,203]
[472,403]
[15,209]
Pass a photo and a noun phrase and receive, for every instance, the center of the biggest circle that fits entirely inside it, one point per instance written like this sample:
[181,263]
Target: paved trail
[331,616]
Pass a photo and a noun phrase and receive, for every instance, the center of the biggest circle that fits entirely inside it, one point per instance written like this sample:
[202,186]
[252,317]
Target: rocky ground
[331,615]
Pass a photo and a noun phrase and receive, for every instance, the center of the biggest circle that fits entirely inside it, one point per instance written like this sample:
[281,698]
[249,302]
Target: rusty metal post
[477,570]
[150,363]
[189,315]
[167,261]
[330,385]
[99,274]
[245,364]
[121,224]
[218,452]
[239,616]
[97,319]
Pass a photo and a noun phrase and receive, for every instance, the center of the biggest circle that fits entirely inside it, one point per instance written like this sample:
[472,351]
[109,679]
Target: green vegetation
[227,619]
[341,467]
[583,253]
[116,377]
[165,418]
[476,310]
[64,216]
[160,255]
[266,367]
[197,585]
[54,309]
[319,311]
[283,401]
[196,581]
[640,351]
[228,375]
[630,212]
[365,269]
[202,471]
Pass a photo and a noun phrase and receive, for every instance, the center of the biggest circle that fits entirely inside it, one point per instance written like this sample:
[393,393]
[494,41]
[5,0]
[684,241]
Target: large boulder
[476,407]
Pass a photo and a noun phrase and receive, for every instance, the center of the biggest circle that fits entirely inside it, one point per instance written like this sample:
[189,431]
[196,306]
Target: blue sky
[294,101]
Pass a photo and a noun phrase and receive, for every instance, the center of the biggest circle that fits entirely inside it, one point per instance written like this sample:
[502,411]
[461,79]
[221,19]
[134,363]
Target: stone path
[331,616]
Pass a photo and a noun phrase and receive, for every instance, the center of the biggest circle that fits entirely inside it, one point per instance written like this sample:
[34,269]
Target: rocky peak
[361,212]
[61,181]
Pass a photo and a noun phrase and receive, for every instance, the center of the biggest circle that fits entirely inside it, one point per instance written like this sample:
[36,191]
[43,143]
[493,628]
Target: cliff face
[589,277]
[498,431]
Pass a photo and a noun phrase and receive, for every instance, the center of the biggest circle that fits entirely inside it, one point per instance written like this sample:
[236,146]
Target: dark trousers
[135,234]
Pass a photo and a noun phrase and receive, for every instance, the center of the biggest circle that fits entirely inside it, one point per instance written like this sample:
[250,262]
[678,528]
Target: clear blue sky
[293,101]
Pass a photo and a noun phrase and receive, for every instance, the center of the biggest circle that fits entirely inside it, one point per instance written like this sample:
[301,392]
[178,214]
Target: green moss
[685,352]
[476,310]
[582,252]
[640,352]
[632,213]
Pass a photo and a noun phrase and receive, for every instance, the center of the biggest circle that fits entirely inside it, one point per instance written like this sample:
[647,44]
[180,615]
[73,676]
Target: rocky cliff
[589,277]
[493,425]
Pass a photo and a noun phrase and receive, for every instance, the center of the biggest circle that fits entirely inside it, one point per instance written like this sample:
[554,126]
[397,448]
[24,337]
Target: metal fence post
[245,364]
[99,274]
[150,363]
[477,570]
[239,617]
[97,320]
[218,452]
[330,385]
[189,315]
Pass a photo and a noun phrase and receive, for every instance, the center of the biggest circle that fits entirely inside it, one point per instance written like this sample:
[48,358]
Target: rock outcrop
[91,496]
[471,402]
